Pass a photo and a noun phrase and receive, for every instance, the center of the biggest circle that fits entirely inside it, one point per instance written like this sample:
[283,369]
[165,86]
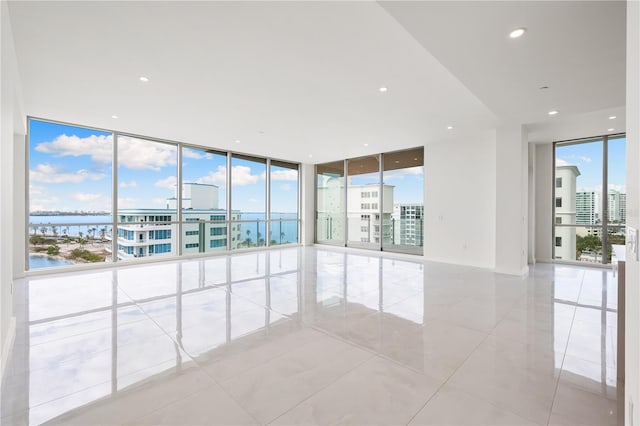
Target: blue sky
[588,158]
[70,169]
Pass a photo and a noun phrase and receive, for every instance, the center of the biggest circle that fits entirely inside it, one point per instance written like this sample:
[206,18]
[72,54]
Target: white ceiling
[294,79]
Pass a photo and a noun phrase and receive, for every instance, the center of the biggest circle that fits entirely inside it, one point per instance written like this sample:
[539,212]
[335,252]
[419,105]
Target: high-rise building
[587,208]
[617,207]
[152,232]
[407,224]
[364,223]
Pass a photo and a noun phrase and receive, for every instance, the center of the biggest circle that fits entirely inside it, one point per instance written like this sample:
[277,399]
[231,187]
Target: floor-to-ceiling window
[101,196]
[589,203]
[383,195]
[403,175]
[147,198]
[70,194]
[330,203]
[364,202]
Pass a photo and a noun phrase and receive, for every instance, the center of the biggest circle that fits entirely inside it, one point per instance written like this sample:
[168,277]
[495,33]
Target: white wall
[543,207]
[512,199]
[460,201]
[12,130]
[632,318]
[531,226]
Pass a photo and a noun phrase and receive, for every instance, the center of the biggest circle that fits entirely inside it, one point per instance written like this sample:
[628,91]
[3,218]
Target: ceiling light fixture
[518,32]
[365,144]
[143,79]
[115,117]
[552,112]
[610,130]
[612,117]
[449,127]
[310,156]
[383,89]
[237,140]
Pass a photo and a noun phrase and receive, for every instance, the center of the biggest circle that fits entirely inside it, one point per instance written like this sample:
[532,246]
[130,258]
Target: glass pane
[403,212]
[330,188]
[363,202]
[578,200]
[616,240]
[204,200]
[616,181]
[283,232]
[248,191]
[248,234]
[284,203]
[147,203]
[70,170]
[581,243]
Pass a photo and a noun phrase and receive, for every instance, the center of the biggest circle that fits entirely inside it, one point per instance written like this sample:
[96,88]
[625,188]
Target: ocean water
[37,262]
[281,231]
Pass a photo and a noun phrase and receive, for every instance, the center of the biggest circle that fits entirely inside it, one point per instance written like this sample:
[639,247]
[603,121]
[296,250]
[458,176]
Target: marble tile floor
[313,336]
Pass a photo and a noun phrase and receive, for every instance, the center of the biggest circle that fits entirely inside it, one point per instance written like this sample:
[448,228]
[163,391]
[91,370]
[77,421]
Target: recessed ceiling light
[310,156]
[610,130]
[517,32]
[237,140]
[612,117]
[143,79]
[383,89]
[415,159]
[552,112]
[365,144]
[114,116]
[449,127]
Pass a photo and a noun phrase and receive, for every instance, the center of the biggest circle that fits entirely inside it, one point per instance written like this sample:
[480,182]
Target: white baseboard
[7,344]
[506,271]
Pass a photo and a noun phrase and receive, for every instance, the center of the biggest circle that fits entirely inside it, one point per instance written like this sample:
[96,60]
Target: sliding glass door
[379,206]
[363,202]
[330,203]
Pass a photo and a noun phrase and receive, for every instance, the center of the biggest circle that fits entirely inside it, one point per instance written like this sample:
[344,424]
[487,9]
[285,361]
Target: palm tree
[43,230]
[80,234]
[54,231]
[103,233]
[248,240]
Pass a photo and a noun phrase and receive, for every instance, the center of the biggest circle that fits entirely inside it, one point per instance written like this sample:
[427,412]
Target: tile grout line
[448,378]
[555,391]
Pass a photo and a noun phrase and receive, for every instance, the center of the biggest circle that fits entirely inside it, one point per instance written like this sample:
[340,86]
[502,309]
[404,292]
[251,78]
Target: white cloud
[80,196]
[253,200]
[240,175]
[585,159]
[50,174]
[561,162]
[159,202]
[36,190]
[138,154]
[401,173]
[168,183]
[191,153]
[100,148]
[288,174]
[131,184]
[286,187]
[40,204]
[216,178]
[127,203]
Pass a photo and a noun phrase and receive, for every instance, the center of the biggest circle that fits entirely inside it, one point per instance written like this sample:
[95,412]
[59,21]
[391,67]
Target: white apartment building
[617,207]
[150,232]
[364,224]
[407,224]
[565,203]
